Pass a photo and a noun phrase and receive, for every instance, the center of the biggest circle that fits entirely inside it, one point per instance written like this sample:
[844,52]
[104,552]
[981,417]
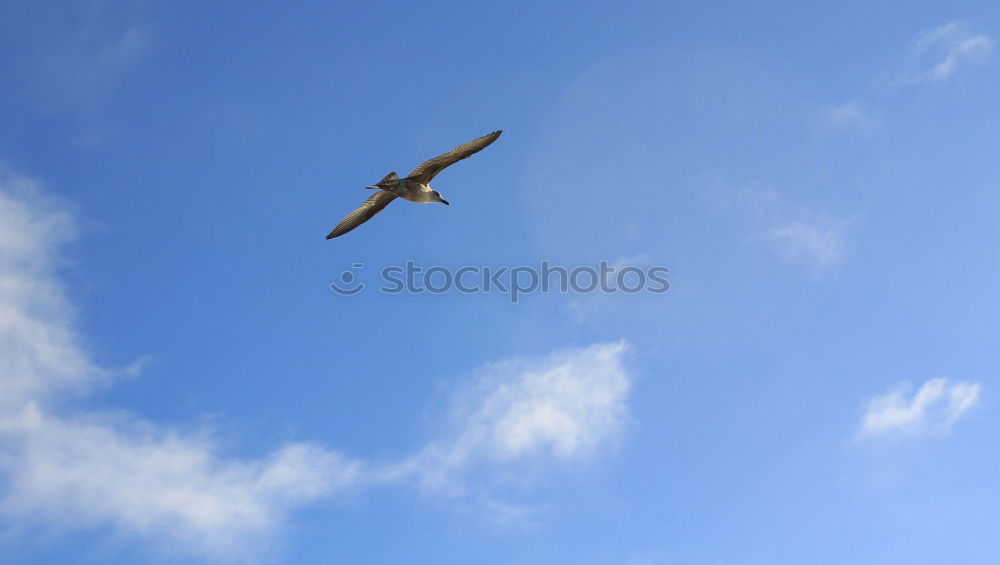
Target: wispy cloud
[845,114]
[938,53]
[129,47]
[853,116]
[591,307]
[815,240]
[74,66]
[820,243]
[933,408]
[66,469]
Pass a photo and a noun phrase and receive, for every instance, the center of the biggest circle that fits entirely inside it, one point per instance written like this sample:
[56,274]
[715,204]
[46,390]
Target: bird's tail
[387,178]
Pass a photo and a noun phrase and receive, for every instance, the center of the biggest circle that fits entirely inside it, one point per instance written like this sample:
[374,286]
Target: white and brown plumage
[415,187]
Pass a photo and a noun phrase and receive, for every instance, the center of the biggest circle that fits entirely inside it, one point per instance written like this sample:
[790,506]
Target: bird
[415,187]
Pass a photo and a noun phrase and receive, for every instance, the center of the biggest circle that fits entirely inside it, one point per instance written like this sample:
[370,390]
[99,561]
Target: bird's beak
[445,202]
[372,187]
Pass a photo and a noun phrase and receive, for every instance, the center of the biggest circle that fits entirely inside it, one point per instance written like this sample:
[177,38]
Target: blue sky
[178,384]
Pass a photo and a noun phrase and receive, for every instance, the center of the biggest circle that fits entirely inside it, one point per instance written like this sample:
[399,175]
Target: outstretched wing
[428,169]
[373,205]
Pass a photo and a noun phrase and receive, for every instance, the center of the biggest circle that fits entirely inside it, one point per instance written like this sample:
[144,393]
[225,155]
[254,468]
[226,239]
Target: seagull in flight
[415,188]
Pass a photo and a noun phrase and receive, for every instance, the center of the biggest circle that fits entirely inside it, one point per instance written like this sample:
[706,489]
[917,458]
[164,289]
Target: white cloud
[938,53]
[565,405]
[173,489]
[934,408]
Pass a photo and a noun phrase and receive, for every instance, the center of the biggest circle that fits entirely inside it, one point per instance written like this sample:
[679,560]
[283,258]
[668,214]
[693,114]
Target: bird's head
[437,198]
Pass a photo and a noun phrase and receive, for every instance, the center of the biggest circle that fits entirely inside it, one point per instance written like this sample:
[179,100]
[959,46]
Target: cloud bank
[68,470]
[86,470]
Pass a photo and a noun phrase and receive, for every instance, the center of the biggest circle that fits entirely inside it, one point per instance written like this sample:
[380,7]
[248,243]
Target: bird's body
[411,190]
[415,187]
